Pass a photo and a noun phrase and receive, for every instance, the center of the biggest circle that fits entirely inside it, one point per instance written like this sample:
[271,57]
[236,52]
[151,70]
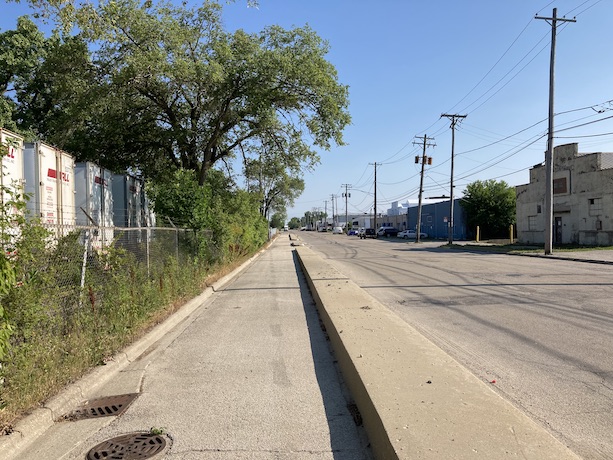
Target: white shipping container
[148,216]
[94,202]
[127,201]
[11,177]
[49,175]
[11,162]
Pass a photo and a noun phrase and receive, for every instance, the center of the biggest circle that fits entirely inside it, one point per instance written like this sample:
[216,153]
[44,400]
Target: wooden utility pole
[375,215]
[346,195]
[326,213]
[549,155]
[333,216]
[454,120]
[424,159]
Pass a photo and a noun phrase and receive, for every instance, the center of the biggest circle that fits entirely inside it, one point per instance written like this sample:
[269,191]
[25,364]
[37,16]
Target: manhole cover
[131,446]
[103,407]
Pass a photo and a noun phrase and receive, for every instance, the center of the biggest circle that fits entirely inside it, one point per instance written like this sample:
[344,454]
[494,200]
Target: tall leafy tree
[180,92]
[43,81]
[274,172]
[278,220]
[491,206]
[294,223]
[21,52]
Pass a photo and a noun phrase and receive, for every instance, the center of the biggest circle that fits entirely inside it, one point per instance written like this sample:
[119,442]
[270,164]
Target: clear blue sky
[407,62]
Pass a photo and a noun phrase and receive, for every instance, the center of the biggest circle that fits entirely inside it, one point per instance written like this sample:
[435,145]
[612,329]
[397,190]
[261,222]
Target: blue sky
[407,62]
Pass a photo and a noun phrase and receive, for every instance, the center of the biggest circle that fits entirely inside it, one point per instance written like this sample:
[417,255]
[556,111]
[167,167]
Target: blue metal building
[435,218]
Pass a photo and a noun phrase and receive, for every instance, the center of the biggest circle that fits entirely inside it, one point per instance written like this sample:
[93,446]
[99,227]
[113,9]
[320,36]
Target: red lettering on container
[99,180]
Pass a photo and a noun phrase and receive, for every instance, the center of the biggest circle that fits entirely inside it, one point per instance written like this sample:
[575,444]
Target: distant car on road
[387,232]
[337,231]
[411,235]
[367,233]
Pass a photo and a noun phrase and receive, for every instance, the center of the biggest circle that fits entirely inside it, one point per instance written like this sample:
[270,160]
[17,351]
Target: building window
[559,186]
[429,219]
[532,223]
[538,208]
[595,206]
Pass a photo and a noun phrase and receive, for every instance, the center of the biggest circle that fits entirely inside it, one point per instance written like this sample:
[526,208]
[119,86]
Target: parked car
[367,233]
[337,231]
[352,232]
[387,232]
[411,235]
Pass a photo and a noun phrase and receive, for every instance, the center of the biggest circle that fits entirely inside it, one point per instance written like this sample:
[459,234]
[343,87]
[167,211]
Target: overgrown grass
[61,331]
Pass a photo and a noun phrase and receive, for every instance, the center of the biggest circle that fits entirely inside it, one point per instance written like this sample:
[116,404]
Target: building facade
[435,220]
[582,199]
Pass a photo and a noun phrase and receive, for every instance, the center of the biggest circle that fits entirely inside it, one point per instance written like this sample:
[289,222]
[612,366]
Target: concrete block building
[582,199]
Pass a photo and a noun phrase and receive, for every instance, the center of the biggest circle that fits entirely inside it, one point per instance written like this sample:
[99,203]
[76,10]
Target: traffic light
[429,160]
[416,159]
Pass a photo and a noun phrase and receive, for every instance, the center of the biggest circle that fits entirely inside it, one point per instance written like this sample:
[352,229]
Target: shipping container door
[66,167]
[11,177]
[47,185]
[12,160]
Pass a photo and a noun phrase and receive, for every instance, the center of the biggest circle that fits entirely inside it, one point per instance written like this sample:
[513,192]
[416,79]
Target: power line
[581,137]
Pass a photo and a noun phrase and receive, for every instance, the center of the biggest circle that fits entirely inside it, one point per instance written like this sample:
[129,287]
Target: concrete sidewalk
[247,373]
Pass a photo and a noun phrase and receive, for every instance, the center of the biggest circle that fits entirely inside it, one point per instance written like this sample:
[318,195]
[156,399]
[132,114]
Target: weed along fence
[76,300]
[92,248]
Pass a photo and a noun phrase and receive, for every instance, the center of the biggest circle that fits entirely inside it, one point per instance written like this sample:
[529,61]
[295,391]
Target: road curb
[415,400]
[572,259]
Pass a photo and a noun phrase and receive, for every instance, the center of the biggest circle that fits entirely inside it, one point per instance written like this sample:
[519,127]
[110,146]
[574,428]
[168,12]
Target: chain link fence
[81,293]
[150,247]
[77,264]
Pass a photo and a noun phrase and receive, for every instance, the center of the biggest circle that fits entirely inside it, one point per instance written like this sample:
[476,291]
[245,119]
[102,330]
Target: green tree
[491,206]
[275,174]
[21,51]
[54,102]
[278,220]
[225,219]
[44,82]
[294,223]
[175,90]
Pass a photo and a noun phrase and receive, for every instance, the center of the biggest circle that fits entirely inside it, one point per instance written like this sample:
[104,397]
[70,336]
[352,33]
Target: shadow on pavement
[336,398]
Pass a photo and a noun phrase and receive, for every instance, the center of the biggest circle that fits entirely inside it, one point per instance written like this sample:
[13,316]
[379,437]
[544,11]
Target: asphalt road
[539,330]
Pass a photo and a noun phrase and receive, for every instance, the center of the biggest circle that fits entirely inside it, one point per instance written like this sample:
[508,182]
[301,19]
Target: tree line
[164,91]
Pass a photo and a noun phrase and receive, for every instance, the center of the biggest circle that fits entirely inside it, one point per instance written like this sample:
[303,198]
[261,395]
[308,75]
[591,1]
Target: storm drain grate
[131,446]
[103,407]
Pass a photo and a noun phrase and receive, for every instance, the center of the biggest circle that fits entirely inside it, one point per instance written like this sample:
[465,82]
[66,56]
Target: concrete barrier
[416,402]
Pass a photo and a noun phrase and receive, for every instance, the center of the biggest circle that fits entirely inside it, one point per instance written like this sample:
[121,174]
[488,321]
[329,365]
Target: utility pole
[332,197]
[326,212]
[346,195]
[424,159]
[454,120]
[375,215]
[549,155]
[336,207]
